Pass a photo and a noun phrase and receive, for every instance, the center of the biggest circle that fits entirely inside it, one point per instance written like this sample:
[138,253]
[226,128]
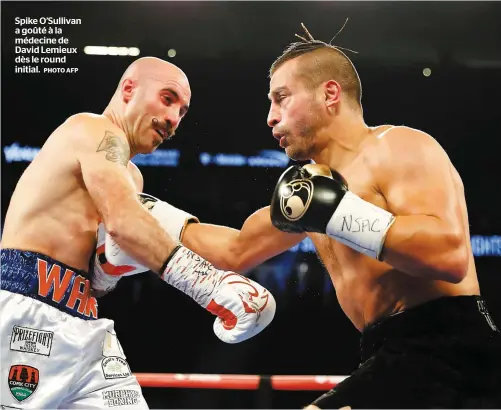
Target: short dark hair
[326,62]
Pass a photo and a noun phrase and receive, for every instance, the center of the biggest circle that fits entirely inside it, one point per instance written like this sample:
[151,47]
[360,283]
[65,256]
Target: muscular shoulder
[92,132]
[400,145]
[91,125]
[401,138]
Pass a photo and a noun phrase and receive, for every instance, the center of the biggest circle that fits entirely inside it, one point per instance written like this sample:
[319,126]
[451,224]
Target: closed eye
[280,98]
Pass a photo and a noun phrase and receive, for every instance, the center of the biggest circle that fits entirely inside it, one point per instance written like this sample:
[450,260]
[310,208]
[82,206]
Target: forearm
[141,236]
[214,243]
[426,246]
[244,307]
[240,250]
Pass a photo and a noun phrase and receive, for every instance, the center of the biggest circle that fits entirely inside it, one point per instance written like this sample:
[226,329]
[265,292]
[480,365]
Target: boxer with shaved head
[76,223]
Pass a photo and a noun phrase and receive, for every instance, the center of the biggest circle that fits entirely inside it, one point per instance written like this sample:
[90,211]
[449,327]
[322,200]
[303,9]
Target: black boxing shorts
[445,353]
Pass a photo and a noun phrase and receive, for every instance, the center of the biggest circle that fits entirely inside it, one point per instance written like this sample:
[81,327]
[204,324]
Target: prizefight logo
[114,398]
[295,198]
[23,381]
[28,340]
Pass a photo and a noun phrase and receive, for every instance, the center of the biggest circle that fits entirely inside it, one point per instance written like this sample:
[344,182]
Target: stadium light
[111,51]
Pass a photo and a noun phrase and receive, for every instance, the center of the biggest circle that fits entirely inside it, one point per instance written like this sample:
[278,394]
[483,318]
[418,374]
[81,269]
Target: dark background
[226,49]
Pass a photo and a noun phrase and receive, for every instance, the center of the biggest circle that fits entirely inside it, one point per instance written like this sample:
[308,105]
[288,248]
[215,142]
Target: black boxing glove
[315,199]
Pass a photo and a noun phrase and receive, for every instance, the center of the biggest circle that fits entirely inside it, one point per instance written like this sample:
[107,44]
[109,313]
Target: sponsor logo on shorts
[125,397]
[28,340]
[115,368]
[111,346]
[483,309]
[23,381]
[55,283]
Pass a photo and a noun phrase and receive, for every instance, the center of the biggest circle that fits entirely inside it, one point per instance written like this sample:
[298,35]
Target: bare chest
[60,208]
[341,261]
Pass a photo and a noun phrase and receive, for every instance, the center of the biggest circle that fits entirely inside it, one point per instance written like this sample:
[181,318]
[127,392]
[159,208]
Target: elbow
[453,264]
[235,261]
[225,260]
[232,263]
[457,267]
[234,256]
[117,227]
[113,229]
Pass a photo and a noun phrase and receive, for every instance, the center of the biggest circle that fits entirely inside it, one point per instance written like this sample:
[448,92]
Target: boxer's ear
[128,87]
[332,92]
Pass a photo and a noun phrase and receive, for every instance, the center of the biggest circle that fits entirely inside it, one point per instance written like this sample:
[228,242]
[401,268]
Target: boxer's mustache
[167,127]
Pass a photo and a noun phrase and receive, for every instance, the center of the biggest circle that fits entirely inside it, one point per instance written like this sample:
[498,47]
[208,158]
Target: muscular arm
[103,154]
[427,238]
[137,176]
[240,250]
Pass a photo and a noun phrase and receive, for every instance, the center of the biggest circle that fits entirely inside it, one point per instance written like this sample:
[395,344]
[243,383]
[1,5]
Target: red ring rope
[237,381]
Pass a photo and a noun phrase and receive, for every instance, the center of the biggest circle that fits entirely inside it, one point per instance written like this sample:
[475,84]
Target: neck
[113,114]
[343,139]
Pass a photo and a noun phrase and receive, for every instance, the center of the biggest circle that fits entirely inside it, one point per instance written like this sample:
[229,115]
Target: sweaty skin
[368,289]
[51,211]
[83,175]
[427,252]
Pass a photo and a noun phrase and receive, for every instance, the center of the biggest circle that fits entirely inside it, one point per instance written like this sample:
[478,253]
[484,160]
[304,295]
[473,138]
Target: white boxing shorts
[55,352]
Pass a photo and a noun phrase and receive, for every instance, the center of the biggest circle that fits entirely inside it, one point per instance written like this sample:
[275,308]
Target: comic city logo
[31,340]
[23,381]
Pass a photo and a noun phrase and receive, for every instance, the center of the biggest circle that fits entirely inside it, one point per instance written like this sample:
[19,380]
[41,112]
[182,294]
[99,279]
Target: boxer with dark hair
[386,211]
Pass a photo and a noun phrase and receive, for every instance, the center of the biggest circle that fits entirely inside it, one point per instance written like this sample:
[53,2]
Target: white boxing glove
[111,263]
[243,307]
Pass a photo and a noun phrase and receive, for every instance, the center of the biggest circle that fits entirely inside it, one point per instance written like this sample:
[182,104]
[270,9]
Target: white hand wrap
[172,219]
[360,225]
[244,308]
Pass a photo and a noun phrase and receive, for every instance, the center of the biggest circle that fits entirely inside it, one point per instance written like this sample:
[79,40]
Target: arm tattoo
[116,150]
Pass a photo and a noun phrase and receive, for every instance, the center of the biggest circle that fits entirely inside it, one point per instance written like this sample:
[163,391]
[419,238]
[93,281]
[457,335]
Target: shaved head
[151,99]
[156,69]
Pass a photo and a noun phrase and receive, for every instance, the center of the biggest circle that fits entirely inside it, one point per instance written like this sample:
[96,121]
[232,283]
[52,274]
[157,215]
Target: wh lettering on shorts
[40,277]
[124,397]
[24,339]
[23,381]
[55,283]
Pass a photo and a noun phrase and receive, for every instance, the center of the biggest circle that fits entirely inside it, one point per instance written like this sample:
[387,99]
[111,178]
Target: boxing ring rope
[264,386]
[237,381]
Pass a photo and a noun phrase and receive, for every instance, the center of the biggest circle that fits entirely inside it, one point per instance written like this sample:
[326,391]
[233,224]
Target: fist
[305,198]
[244,308]
[111,263]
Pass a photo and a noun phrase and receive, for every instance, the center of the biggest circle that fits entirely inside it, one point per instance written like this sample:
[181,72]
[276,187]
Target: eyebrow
[276,91]
[176,96]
